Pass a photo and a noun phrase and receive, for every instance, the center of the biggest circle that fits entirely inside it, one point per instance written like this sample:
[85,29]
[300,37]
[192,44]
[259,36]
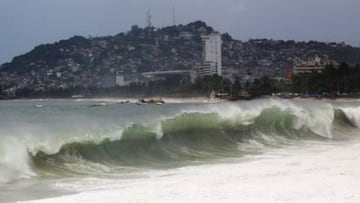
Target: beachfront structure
[185,75]
[307,69]
[312,65]
[120,80]
[212,61]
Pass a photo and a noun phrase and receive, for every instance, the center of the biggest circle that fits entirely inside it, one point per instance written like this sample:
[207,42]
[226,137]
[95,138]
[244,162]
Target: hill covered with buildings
[141,57]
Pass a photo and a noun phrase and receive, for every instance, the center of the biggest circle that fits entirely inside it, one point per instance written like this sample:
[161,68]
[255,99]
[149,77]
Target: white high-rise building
[212,63]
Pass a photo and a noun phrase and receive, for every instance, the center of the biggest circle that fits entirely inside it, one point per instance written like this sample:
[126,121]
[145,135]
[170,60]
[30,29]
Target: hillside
[84,62]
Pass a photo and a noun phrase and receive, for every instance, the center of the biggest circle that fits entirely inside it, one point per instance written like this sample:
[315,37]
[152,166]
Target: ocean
[248,151]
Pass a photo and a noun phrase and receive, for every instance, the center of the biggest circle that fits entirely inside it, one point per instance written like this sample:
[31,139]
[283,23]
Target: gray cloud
[27,23]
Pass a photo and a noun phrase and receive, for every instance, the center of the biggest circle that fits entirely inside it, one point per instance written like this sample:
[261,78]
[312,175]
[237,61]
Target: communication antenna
[174,16]
[148,18]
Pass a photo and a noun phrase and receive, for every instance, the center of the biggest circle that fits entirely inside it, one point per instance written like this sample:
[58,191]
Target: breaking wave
[186,137]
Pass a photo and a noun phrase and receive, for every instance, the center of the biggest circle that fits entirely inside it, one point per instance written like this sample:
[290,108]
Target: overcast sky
[27,23]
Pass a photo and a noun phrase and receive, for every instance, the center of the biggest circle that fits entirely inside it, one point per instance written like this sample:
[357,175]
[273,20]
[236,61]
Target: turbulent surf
[67,139]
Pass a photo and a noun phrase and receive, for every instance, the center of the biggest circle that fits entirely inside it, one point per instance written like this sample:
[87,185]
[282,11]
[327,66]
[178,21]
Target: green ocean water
[66,141]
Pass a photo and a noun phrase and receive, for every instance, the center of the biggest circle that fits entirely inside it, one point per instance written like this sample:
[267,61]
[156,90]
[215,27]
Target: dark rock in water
[152,101]
[100,104]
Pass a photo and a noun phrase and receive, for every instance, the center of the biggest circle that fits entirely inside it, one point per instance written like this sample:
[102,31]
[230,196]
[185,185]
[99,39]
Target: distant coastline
[139,62]
[181,100]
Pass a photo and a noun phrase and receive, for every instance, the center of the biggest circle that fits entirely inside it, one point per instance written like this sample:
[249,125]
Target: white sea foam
[318,120]
[316,173]
[14,160]
[353,114]
[221,182]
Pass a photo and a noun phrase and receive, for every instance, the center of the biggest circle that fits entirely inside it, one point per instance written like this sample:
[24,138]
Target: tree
[210,83]
[262,86]
[226,37]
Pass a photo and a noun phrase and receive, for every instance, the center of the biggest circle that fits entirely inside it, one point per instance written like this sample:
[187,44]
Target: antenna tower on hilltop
[148,18]
[174,16]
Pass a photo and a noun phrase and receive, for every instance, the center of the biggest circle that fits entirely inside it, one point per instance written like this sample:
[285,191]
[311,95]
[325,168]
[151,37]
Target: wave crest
[190,136]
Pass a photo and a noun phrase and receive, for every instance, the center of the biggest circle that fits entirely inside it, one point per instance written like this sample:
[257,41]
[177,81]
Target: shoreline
[178,100]
[263,178]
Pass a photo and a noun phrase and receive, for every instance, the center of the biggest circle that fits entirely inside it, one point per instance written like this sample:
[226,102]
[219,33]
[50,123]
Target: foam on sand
[312,173]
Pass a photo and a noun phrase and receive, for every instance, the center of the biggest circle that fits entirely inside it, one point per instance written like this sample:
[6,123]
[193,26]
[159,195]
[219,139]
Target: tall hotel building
[211,55]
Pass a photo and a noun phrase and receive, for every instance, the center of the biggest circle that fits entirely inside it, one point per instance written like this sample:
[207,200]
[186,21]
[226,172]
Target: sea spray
[164,137]
[14,160]
[352,114]
[199,136]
